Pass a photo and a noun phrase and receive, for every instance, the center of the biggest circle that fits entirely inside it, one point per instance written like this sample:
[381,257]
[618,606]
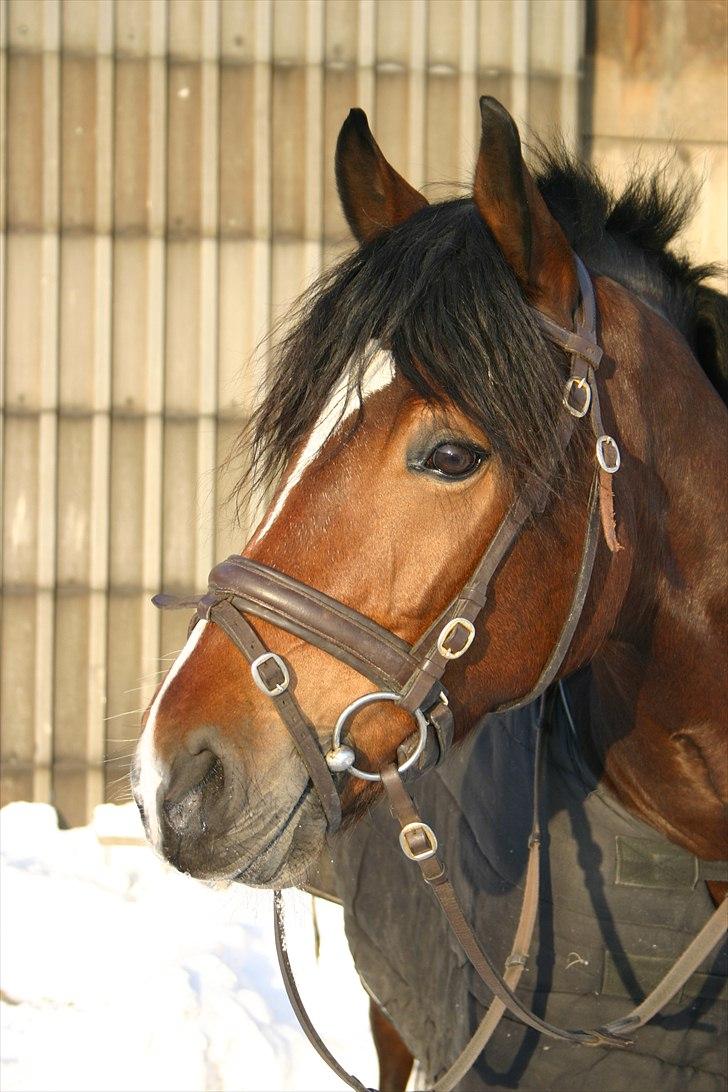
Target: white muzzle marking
[151,772]
[340,406]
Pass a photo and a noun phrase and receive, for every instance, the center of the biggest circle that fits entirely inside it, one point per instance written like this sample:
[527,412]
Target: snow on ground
[118,973]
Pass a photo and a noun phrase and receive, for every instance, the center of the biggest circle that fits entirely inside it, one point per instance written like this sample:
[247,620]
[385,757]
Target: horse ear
[374,197]
[508,199]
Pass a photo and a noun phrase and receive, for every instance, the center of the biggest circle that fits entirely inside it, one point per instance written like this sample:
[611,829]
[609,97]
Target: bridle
[411,677]
[408,675]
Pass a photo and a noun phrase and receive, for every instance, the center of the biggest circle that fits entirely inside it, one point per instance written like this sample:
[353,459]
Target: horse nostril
[195,786]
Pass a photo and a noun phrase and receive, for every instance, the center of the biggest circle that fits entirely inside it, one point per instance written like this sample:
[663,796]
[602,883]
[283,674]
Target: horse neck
[654,702]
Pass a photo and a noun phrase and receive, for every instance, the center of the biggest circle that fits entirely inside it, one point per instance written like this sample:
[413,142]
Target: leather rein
[410,676]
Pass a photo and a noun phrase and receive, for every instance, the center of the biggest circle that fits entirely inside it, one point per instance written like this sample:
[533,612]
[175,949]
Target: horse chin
[273,844]
[287,859]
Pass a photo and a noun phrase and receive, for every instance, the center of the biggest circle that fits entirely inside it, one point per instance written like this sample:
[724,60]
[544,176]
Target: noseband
[410,676]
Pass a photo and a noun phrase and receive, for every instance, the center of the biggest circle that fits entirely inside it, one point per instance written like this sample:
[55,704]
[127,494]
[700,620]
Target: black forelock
[437,291]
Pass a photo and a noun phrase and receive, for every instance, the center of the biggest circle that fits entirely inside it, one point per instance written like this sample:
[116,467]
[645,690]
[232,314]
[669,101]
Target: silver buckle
[274,691]
[603,443]
[517,959]
[576,382]
[448,630]
[420,828]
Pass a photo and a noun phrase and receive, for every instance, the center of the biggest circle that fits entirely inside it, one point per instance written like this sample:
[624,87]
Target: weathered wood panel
[660,97]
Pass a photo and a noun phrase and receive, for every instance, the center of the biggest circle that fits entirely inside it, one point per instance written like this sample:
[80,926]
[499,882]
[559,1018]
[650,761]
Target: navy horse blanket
[618,906]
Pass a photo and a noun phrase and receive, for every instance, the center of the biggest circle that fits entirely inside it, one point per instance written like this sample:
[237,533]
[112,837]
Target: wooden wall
[658,97]
[167,190]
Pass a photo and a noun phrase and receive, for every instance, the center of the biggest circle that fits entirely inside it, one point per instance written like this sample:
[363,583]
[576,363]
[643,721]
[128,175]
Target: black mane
[438,292]
[628,239]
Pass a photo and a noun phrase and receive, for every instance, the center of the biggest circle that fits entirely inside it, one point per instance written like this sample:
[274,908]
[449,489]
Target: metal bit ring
[337,757]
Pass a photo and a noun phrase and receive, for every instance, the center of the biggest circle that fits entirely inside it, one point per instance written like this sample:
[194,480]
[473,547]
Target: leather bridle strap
[414,673]
[421,843]
[698,950]
[518,958]
[433,658]
[515,964]
[297,1004]
[421,838]
[581,589]
[273,675]
[315,617]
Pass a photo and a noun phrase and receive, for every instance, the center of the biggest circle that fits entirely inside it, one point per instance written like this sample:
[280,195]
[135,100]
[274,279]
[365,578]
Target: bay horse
[502,488]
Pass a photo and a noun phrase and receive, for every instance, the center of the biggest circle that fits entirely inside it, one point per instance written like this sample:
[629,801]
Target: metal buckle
[517,959]
[578,383]
[420,828]
[448,631]
[608,442]
[272,692]
[337,757]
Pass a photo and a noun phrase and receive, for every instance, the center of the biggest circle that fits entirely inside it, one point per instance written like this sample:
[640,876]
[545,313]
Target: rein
[411,677]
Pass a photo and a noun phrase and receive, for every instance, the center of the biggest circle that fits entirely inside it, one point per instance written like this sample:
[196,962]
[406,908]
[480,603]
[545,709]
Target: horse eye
[453,460]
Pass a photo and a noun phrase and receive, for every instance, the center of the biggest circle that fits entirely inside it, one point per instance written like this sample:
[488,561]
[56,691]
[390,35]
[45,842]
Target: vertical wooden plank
[192,282]
[137,388]
[100,438]
[495,49]
[237,32]
[393,106]
[209,309]
[239,165]
[18,501]
[340,94]
[48,432]
[469,128]
[229,537]
[31,382]
[3,253]
[417,61]
[442,132]
[366,57]
[573,24]
[520,50]
[442,102]
[84,401]
[313,207]
[291,110]
[182,306]
[140,28]
[263,197]
[20,481]
[28,26]
[262,282]
[154,305]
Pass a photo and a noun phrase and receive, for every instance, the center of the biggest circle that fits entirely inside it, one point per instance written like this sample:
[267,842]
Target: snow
[118,973]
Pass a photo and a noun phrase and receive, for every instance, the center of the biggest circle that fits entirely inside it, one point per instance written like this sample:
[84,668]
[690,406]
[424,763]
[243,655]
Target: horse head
[415,400]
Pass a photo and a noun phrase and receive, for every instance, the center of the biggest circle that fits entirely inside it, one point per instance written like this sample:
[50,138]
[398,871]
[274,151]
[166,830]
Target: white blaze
[340,406]
[342,403]
[150,770]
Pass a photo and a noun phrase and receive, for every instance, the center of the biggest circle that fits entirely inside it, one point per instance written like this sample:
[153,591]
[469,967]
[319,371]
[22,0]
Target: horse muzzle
[208,818]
